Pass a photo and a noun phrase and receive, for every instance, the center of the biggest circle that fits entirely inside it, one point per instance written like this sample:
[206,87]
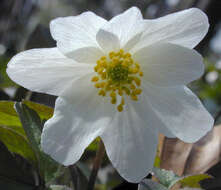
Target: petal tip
[203,16]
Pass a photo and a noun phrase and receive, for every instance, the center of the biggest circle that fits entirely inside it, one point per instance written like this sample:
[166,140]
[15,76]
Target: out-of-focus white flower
[123,80]
[218,64]
[212,76]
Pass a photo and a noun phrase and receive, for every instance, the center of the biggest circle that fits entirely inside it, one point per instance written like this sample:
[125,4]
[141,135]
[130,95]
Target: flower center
[117,75]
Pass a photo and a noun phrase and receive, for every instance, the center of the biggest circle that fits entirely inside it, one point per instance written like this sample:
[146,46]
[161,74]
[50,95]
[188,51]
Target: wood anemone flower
[123,80]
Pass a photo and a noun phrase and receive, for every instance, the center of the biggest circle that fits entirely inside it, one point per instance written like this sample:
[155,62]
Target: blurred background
[24,24]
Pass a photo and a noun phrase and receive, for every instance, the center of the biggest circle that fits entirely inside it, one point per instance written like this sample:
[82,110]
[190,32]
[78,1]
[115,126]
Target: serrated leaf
[165,177]
[193,180]
[17,143]
[148,184]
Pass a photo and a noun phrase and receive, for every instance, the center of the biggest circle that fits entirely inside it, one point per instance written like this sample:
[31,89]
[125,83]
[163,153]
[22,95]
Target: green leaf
[148,184]
[8,116]
[32,125]
[94,145]
[157,162]
[43,111]
[165,177]
[5,81]
[17,143]
[193,180]
[49,168]
[17,139]
[169,178]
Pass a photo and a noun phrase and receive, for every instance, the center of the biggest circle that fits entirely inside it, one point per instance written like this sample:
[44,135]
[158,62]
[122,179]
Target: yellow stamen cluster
[118,75]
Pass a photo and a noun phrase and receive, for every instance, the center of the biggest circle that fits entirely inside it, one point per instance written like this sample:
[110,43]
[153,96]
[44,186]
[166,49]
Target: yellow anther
[126,90]
[113,94]
[103,58]
[113,100]
[137,81]
[122,101]
[100,70]
[114,88]
[95,79]
[121,51]
[103,75]
[127,55]
[134,70]
[137,91]
[97,85]
[120,92]
[137,66]
[115,60]
[141,73]
[103,84]
[120,108]
[128,61]
[125,63]
[96,68]
[104,64]
[134,97]
[111,54]
[102,93]
[132,86]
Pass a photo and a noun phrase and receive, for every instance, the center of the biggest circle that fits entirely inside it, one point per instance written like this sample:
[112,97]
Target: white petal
[87,55]
[130,145]
[77,32]
[46,70]
[169,64]
[186,28]
[144,108]
[126,25]
[75,124]
[181,111]
[128,47]
[108,41]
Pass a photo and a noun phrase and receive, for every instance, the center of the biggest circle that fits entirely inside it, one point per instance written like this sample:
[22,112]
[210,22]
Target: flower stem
[97,162]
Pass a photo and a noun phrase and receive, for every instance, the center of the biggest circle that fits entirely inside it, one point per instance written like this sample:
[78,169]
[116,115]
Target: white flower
[212,76]
[139,68]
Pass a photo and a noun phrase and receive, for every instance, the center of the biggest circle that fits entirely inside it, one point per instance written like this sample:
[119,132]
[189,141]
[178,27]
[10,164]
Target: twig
[74,176]
[97,162]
